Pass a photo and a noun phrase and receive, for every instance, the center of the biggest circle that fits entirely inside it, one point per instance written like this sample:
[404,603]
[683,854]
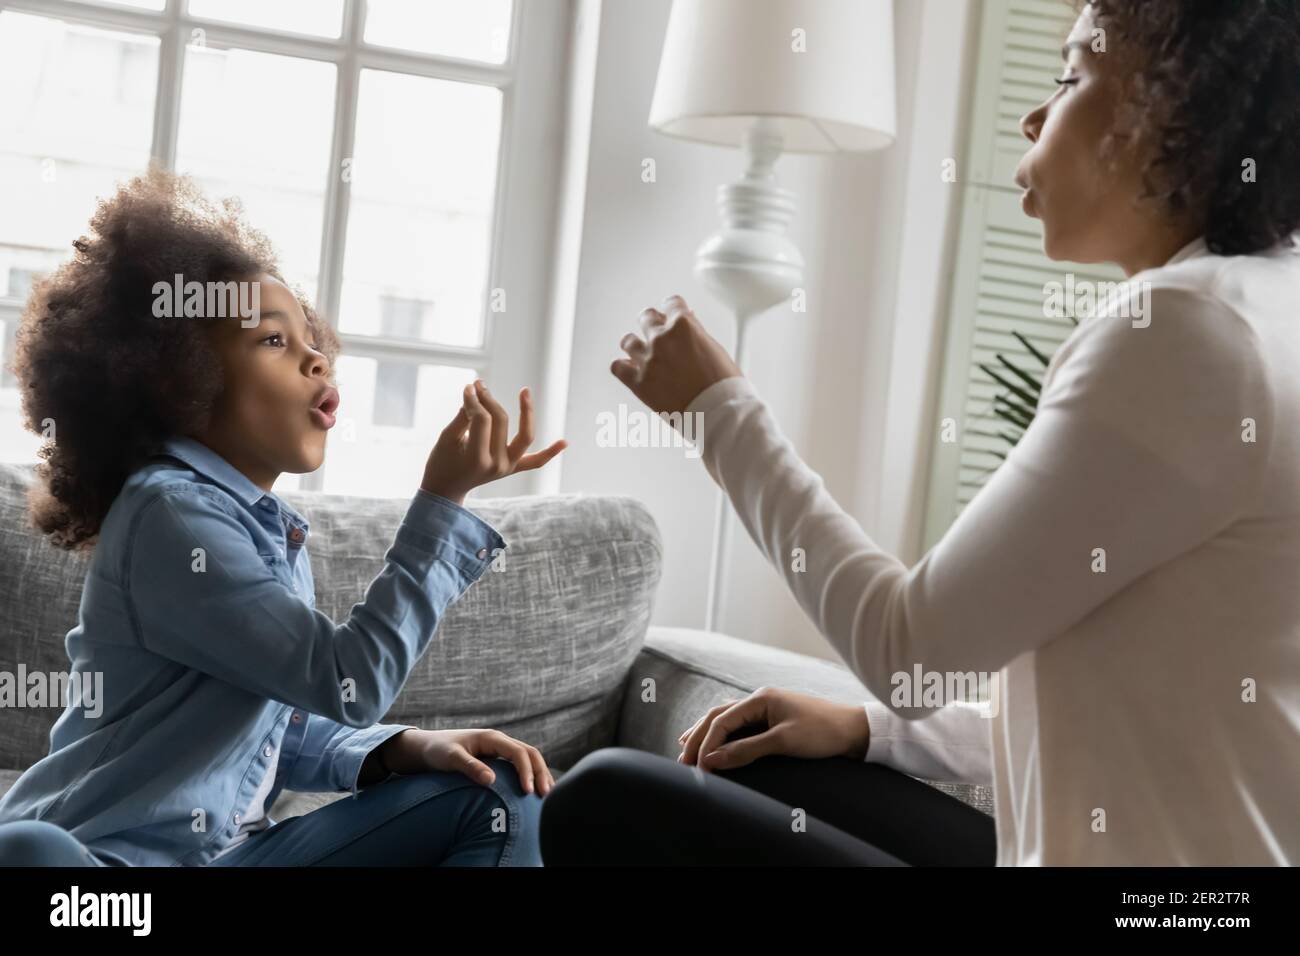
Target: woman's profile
[1128,574]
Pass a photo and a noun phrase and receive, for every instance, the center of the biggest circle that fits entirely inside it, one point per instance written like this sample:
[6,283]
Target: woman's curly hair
[94,361]
[1217,94]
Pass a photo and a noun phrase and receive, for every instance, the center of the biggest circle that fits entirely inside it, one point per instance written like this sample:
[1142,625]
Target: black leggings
[627,807]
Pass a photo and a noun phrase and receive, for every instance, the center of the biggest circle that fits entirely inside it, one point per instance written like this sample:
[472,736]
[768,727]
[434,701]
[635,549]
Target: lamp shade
[820,72]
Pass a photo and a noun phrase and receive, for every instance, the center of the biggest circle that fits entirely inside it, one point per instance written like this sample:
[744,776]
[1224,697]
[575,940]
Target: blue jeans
[422,819]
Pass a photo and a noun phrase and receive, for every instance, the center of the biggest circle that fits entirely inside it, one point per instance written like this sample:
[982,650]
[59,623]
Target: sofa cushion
[7,779]
[539,649]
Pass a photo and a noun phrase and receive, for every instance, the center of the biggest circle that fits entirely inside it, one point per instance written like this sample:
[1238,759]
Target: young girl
[223,686]
[1128,574]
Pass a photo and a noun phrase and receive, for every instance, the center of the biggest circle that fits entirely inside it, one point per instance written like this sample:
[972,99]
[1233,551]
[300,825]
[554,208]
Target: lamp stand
[750,265]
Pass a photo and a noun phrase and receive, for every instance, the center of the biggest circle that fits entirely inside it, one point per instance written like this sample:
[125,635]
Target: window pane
[322,18]
[77,118]
[471,31]
[16,443]
[419,239]
[258,126]
[139,4]
[390,414]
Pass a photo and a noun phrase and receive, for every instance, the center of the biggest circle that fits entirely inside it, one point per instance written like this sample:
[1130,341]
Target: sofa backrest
[539,649]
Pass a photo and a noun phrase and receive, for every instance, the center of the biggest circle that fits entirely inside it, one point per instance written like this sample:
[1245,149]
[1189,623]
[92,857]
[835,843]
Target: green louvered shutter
[1000,269]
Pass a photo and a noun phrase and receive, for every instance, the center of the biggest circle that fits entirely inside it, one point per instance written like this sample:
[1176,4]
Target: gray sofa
[554,648]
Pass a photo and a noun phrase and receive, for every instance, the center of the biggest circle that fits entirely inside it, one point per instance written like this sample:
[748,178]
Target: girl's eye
[280,336]
[1066,81]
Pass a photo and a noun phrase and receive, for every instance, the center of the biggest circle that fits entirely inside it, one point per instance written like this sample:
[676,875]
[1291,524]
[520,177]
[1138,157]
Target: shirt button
[297,717]
[296,534]
[482,552]
[236,817]
[266,751]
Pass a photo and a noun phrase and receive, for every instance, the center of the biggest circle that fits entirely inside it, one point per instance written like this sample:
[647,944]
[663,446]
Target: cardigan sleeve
[1147,441]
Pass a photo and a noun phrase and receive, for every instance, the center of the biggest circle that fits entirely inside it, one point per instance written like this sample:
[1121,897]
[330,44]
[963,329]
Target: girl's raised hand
[474,448]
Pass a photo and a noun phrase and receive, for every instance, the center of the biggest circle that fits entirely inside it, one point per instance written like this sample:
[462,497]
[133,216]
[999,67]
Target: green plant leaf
[1023,415]
[1029,346]
[1030,399]
[1023,375]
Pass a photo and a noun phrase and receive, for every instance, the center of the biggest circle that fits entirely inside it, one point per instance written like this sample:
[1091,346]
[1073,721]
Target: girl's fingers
[455,429]
[480,426]
[523,761]
[500,745]
[524,437]
[541,772]
[500,422]
[474,768]
[539,458]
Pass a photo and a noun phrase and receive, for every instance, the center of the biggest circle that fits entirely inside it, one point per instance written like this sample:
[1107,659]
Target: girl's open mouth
[322,411]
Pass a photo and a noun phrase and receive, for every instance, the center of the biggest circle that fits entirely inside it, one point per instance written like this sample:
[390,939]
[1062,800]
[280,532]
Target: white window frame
[531,99]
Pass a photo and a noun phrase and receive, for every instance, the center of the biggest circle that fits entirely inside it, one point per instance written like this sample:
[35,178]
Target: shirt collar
[210,464]
[1192,250]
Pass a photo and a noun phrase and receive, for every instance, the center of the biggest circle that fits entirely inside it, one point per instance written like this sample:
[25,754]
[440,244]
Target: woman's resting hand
[796,725]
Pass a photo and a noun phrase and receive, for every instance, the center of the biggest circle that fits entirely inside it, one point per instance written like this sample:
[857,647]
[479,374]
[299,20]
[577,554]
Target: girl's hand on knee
[796,725]
[476,448]
[459,751]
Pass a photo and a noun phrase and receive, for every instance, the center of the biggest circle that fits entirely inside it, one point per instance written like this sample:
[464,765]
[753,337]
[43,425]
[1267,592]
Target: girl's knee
[507,779]
[510,788]
[515,815]
[39,843]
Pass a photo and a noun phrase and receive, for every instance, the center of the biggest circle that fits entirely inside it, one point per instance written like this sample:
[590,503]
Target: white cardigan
[1149,713]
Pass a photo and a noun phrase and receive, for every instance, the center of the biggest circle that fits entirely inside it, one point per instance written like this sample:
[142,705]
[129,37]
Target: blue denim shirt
[199,611]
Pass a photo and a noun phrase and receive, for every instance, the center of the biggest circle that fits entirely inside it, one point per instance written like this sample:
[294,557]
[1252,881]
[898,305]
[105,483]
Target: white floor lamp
[770,76]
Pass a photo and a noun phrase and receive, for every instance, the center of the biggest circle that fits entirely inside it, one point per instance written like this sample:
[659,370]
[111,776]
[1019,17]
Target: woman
[1128,575]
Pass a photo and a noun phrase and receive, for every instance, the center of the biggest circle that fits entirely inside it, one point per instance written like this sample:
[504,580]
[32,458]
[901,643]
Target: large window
[368,138]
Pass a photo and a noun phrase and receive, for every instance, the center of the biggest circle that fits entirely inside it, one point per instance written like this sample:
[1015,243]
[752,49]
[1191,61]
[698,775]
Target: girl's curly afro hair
[1216,94]
[102,377]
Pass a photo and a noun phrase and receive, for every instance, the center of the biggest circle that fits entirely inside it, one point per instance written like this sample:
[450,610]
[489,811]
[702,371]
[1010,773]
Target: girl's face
[1089,203]
[263,421]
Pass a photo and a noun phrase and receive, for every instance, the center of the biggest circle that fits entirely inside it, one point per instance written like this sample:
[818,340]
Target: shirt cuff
[719,392]
[442,529]
[882,731]
[352,753]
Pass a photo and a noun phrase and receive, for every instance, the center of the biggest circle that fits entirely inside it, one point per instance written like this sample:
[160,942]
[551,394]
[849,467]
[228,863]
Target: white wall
[825,373]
